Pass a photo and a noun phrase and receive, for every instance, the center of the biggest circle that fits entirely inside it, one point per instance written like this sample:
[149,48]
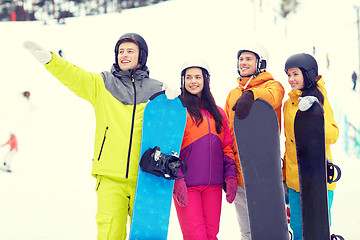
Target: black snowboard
[310,149]
[258,142]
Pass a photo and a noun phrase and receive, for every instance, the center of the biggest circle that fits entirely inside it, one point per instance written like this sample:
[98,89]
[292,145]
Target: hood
[321,85]
[137,73]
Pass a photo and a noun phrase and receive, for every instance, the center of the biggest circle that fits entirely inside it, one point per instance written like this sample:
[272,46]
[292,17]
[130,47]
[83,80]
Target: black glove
[243,105]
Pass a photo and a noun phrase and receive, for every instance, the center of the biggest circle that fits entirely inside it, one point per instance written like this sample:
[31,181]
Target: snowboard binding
[162,165]
[336,237]
[331,172]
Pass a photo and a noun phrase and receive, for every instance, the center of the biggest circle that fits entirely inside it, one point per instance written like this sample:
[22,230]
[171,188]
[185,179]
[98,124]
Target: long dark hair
[194,104]
[311,89]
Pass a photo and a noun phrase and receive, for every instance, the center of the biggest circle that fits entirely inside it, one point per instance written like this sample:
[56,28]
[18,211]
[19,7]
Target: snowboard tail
[310,149]
[163,125]
[258,142]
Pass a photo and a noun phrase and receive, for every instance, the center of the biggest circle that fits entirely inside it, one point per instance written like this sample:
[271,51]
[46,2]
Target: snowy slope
[50,194]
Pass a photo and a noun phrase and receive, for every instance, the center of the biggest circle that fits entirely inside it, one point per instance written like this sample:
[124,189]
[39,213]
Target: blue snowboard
[163,125]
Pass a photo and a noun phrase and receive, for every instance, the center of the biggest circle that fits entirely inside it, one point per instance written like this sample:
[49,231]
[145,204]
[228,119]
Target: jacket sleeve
[331,128]
[273,93]
[227,108]
[229,162]
[283,170]
[230,114]
[8,142]
[82,83]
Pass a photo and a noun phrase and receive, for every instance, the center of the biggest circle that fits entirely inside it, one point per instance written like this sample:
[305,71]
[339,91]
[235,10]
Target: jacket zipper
[207,118]
[102,144]
[132,129]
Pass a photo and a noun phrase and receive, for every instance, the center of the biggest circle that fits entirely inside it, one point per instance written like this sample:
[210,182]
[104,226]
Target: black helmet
[139,40]
[307,65]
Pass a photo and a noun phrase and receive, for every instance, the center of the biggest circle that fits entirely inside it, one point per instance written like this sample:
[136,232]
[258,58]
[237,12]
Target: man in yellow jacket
[254,82]
[118,97]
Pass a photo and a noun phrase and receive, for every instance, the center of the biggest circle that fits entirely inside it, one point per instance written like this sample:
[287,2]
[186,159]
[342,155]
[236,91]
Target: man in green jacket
[118,97]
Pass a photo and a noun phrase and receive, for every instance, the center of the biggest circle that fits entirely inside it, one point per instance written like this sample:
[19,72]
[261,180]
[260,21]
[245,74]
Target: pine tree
[288,6]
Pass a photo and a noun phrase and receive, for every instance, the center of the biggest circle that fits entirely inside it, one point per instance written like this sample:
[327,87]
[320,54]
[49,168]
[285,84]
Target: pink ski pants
[200,219]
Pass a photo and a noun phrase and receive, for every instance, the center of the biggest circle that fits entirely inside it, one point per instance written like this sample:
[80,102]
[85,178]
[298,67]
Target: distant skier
[26,94]
[207,150]
[13,144]
[118,97]
[27,102]
[354,79]
[13,16]
[61,21]
[254,82]
[327,61]
[307,87]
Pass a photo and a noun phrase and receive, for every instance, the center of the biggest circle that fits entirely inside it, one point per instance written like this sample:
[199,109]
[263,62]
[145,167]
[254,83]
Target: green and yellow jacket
[119,99]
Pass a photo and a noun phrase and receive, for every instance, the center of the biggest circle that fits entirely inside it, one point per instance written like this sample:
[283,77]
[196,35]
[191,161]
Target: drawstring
[251,78]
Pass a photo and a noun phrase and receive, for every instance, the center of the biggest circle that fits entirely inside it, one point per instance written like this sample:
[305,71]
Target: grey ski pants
[242,213]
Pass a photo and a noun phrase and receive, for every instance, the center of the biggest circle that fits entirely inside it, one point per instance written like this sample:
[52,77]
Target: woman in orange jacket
[254,82]
[307,87]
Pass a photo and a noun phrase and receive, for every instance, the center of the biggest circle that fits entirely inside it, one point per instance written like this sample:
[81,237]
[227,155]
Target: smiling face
[247,64]
[295,78]
[128,56]
[194,81]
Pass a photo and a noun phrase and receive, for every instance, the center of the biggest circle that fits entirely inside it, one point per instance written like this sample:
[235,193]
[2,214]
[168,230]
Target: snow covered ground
[50,194]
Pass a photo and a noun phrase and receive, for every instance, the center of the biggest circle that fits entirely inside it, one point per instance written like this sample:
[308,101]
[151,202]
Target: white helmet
[197,62]
[261,53]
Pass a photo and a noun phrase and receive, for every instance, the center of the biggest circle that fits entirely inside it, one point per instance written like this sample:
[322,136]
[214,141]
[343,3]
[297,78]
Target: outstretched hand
[40,53]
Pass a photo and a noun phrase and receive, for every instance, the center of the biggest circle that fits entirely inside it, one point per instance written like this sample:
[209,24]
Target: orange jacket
[208,154]
[263,86]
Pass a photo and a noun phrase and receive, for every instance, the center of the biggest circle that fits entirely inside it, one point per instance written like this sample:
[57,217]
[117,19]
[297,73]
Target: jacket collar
[138,74]
[249,82]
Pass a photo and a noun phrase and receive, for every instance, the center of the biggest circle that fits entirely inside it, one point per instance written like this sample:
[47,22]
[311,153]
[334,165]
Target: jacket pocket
[102,144]
[103,225]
